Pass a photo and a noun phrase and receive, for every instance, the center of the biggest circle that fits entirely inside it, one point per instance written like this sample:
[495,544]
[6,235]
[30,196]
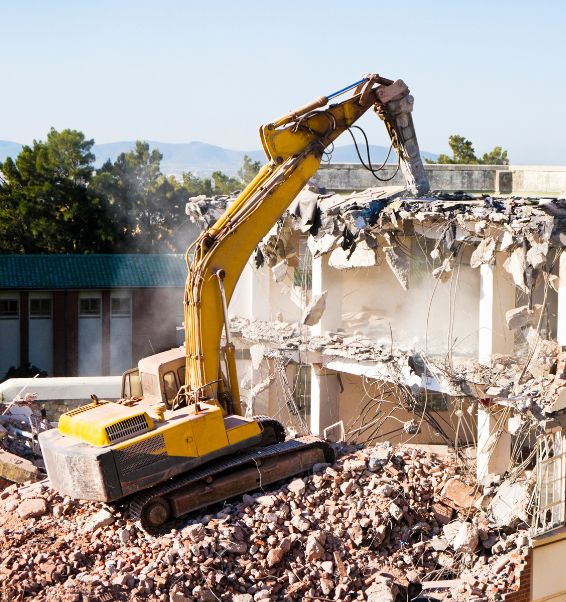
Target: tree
[146,204]
[46,204]
[224,184]
[195,186]
[249,170]
[463,152]
[496,157]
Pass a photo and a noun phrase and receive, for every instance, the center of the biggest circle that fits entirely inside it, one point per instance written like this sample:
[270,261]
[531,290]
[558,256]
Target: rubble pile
[204,211]
[20,423]
[380,524]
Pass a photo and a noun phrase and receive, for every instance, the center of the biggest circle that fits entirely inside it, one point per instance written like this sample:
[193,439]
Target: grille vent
[140,454]
[127,427]
[82,409]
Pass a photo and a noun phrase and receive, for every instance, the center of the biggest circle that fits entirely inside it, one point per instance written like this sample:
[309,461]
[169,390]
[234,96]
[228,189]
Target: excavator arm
[294,145]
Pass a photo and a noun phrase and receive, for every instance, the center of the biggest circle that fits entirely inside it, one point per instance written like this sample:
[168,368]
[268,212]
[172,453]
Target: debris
[510,503]
[16,469]
[101,519]
[459,493]
[32,508]
[522,316]
[467,538]
[484,253]
[314,310]
[398,261]
[516,265]
[305,539]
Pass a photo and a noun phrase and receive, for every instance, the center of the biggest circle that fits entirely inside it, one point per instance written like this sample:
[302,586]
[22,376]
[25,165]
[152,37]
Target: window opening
[9,308]
[40,307]
[89,307]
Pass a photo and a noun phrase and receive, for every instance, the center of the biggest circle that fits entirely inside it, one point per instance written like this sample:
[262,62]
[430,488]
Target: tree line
[54,200]
[463,152]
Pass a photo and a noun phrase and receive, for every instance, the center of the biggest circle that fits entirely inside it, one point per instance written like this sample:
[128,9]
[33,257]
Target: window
[181,375]
[9,308]
[131,384]
[170,386]
[89,307]
[40,308]
[435,401]
[149,384]
[302,276]
[121,307]
[302,391]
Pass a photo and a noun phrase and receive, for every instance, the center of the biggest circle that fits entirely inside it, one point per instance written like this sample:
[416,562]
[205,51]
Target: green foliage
[463,152]
[144,204]
[496,157]
[249,170]
[195,186]
[224,184]
[24,371]
[52,200]
[46,204]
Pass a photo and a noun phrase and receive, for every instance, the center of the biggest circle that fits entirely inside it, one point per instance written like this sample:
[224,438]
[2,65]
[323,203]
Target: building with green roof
[81,315]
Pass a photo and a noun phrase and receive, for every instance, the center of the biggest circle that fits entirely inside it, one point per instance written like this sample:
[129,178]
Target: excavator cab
[157,378]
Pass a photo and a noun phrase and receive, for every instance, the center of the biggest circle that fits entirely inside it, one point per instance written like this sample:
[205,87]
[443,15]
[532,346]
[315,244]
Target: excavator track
[227,478]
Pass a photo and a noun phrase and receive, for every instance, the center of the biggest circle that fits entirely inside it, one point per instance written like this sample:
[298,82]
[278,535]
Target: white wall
[41,335]
[431,315]
[120,332]
[90,339]
[9,337]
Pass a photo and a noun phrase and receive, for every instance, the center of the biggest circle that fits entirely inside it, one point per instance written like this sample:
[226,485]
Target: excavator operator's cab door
[131,384]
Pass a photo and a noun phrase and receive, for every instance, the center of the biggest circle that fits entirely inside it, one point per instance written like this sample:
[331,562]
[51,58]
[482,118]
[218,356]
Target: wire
[369,166]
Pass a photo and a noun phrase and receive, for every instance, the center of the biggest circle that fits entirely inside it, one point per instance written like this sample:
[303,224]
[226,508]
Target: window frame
[90,314]
[41,316]
[9,315]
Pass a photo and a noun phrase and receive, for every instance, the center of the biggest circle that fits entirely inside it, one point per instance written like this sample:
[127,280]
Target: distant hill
[9,149]
[202,159]
[197,157]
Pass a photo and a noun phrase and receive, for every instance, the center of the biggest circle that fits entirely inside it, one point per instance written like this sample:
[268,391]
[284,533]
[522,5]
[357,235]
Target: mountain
[202,159]
[197,157]
[9,149]
[347,154]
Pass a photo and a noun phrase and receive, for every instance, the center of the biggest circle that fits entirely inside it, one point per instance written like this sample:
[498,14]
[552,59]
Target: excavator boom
[294,145]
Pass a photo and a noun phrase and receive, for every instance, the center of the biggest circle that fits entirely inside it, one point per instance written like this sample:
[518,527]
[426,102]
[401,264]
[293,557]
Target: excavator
[180,442]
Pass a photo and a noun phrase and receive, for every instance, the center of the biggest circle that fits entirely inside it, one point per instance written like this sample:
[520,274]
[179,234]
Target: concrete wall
[435,317]
[548,581]
[505,179]
[355,401]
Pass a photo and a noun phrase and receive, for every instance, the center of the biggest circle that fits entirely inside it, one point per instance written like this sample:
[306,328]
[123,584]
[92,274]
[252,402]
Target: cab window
[170,386]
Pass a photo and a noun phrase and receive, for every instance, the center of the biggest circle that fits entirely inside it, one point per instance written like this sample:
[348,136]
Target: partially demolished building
[375,316]
[452,298]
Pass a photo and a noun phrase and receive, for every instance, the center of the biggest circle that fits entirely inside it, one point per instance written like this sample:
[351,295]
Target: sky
[215,70]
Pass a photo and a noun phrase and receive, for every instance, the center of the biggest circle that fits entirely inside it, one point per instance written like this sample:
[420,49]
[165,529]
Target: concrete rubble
[380,524]
[534,394]
[21,420]
[351,229]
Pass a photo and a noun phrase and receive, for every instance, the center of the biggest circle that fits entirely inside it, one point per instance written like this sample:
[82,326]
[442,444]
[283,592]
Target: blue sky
[214,70]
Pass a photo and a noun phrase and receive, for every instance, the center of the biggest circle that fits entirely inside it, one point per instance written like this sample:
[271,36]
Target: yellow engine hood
[104,423]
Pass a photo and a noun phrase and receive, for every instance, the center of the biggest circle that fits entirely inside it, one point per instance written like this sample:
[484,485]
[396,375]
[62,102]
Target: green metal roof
[49,272]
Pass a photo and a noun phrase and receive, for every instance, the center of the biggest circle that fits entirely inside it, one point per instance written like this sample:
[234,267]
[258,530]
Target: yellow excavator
[169,449]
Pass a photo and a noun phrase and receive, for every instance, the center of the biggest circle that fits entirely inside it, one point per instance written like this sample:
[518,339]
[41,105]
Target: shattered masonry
[379,525]
[384,523]
[358,230]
